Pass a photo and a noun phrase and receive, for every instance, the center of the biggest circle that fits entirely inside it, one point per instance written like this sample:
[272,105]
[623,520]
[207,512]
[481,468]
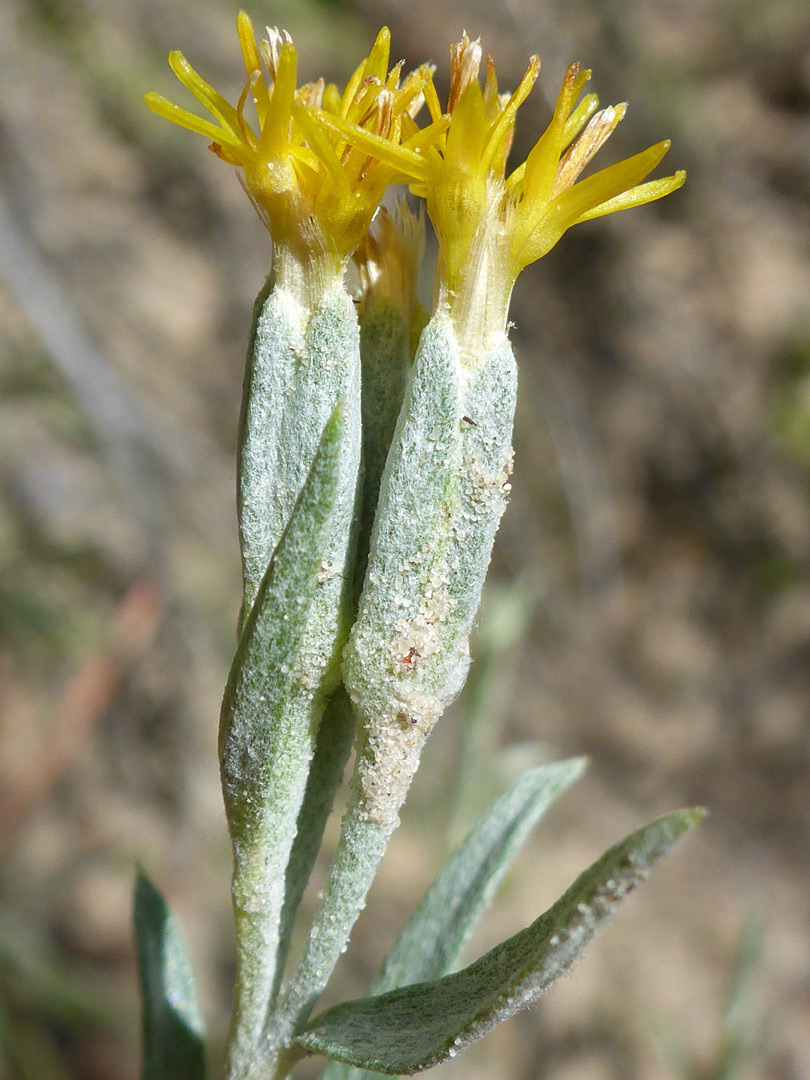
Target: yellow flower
[316,192]
[490,225]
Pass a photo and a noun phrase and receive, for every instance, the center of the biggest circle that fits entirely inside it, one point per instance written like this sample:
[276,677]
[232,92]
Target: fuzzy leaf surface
[416,1027]
[252,735]
[436,935]
[171,1020]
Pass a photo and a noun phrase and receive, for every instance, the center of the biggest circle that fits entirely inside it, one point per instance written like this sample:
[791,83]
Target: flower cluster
[491,225]
[315,191]
[321,160]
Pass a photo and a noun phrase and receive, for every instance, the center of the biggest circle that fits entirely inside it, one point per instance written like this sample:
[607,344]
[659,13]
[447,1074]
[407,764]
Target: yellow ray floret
[310,185]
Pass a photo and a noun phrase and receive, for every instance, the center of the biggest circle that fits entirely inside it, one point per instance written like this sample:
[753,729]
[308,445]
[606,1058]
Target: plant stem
[334,744]
[360,848]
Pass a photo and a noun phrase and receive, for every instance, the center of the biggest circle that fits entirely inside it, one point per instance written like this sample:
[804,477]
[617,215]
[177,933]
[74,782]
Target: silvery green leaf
[436,935]
[267,737]
[172,1025]
[439,930]
[301,362]
[252,731]
[416,1027]
[441,497]
[385,357]
[360,848]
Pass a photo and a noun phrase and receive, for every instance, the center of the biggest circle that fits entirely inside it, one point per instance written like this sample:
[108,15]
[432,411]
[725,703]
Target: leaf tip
[694,815]
[578,765]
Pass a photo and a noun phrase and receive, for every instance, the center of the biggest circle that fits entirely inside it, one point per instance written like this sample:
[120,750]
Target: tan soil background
[660,522]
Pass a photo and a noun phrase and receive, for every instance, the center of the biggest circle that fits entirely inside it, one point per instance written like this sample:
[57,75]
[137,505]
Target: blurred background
[650,603]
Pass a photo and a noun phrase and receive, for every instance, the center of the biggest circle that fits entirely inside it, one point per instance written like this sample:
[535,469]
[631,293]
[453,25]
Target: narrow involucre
[442,495]
[301,363]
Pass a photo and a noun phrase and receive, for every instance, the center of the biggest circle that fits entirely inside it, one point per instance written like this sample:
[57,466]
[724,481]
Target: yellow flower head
[490,225]
[315,191]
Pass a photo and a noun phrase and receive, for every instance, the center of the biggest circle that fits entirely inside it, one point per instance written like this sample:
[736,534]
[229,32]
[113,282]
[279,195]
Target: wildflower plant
[373,469]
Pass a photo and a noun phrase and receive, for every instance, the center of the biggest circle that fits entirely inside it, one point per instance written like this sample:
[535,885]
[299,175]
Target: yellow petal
[609,183]
[247,132]
[306,157]
[514,182]
[492,99]
[413,88]
[252,60]
[331,99]
[578,84]
[203,92]
[398,157]
[506,118]
[423,140]
[468,127]
[392,82]
[637,196]
[376,65]
[276,130]
[544,157]
[579,117]
[538,235]
[183,118]
[319,144]
[432,100]
[247,43]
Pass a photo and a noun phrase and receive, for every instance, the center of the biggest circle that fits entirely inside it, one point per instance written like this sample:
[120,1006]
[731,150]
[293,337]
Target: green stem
[258,896]
[335,738]
[360,848]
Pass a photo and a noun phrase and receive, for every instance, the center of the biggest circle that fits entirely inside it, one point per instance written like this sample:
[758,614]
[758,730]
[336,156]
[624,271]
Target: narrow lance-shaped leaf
[435,937]
[266,745]
[418,1026]
[412,525]
[442,925]
[384,348]
[442,493]
[251,730]
[171,1020]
